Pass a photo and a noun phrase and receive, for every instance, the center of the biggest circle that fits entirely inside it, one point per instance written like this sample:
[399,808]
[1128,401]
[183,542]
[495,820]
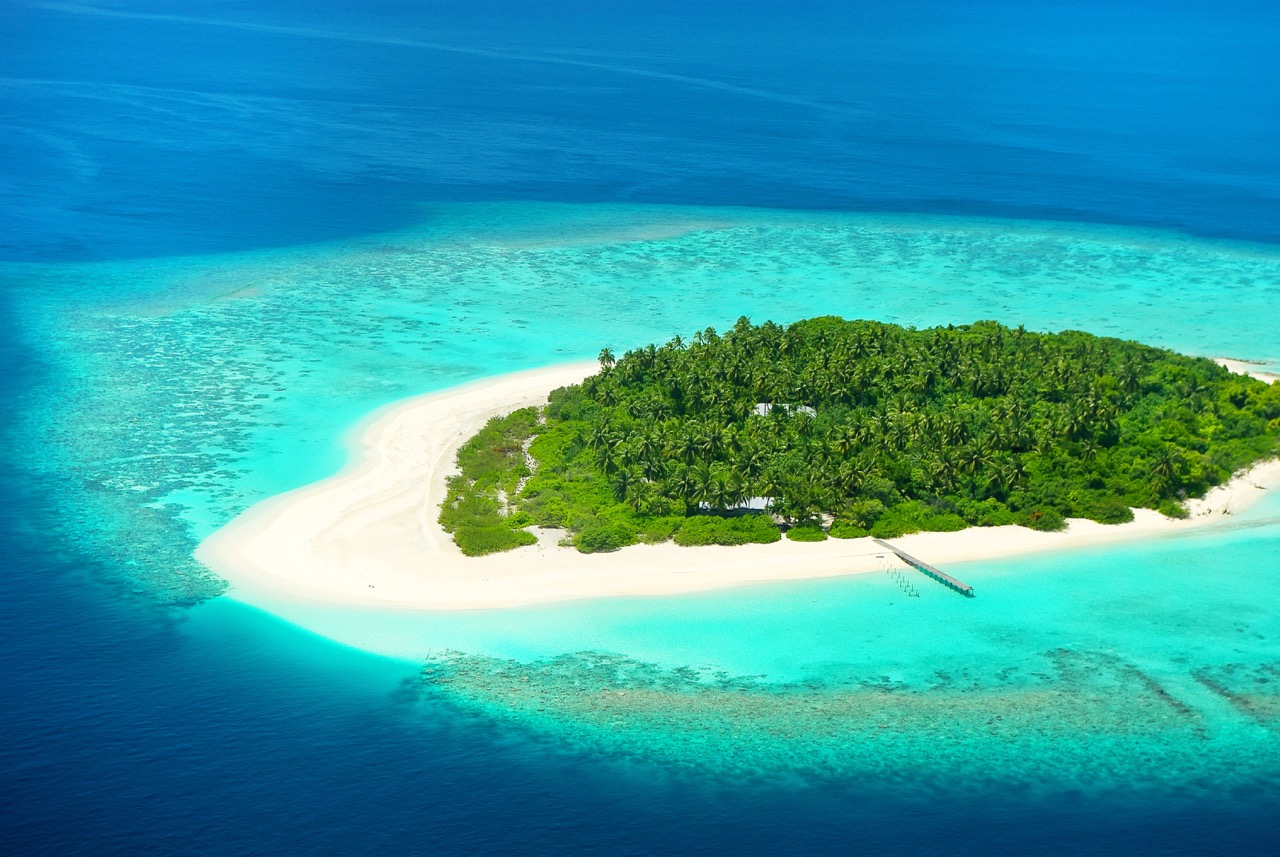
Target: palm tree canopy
[975,422]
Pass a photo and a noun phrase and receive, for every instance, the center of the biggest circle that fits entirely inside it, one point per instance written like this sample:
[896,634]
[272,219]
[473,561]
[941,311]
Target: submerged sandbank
[369,536]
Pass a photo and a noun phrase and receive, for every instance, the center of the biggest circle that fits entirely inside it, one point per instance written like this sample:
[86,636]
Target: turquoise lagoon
[177,392]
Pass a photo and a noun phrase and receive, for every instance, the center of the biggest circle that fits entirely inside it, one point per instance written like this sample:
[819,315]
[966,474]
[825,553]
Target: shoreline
[1245,367]
[368,536]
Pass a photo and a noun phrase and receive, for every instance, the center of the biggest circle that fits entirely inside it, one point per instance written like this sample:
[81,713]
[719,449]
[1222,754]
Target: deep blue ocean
[136,130]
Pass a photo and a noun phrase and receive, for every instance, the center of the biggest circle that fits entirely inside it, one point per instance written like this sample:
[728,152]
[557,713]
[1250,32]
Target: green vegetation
[740,530]
[491,466]
[875,428]
[807,532]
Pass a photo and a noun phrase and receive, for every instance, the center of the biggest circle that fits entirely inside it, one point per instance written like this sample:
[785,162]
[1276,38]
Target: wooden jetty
[945,579]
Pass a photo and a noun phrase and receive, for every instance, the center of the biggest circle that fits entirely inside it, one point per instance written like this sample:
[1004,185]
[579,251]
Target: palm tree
[643,497]
[721,494]
[1004,473]
[685,446]
[942,472]
[1164,466]
[707,441]
[623,481]
[683,485]
[645,444]
[849,476]
[1128,376]
[950,412]
[610,453]
[598,435]
[702,484]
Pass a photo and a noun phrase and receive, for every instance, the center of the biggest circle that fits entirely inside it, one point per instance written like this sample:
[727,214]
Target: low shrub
[655,530]
[862,514]
[519,520]
[603,537]
[493,456]
[1110,512]
[700,530]
[993,513]
[901,519]
[1046,519]
[807,534]
[755,529]
[712,530]
[1171,508]
[892,529]
[548,511]
[477,541]
[847,530]
[490,463]
[949,523]
[1099,506]
[566,402]
[464,508]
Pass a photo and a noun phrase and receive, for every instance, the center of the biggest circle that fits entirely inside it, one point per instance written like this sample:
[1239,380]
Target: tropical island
[833,428]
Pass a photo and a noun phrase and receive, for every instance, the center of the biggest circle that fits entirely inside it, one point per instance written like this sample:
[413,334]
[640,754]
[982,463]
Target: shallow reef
[1078,721]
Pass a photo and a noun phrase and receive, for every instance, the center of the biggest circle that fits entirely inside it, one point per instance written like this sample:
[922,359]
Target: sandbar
[369,537]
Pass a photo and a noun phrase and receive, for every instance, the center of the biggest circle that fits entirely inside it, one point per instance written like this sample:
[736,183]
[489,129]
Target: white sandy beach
[1241,367]
[368,536]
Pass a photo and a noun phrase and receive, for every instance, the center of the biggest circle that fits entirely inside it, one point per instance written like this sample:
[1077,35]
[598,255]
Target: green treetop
[884,430]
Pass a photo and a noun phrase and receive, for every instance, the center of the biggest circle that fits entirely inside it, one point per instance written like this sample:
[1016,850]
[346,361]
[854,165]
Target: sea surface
[228,231]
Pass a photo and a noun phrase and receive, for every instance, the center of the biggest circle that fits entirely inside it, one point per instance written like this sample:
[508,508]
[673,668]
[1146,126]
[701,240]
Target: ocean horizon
[232,232]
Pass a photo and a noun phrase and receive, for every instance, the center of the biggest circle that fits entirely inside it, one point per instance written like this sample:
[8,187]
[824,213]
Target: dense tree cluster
[890,430]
